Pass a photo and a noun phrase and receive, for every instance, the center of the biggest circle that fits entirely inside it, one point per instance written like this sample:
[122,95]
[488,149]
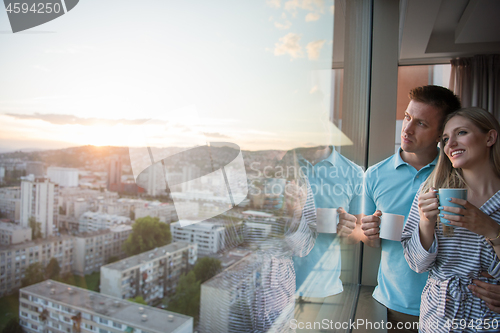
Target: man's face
[420,132]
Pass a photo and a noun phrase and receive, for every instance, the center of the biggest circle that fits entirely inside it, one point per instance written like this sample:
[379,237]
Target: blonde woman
[454,256]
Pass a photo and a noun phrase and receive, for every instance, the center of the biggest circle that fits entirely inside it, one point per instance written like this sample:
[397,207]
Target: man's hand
[490,293]
[370,226]
[347,223]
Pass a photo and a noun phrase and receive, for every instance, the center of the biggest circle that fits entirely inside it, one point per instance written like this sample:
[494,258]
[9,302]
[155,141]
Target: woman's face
[464,144]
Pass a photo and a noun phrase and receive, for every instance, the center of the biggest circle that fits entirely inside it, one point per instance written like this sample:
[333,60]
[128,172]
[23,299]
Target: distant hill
[97,158]
[74,157]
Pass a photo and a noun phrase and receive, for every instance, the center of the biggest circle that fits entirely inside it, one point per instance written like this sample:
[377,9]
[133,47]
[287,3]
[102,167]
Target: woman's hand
[473,218]
[428,204]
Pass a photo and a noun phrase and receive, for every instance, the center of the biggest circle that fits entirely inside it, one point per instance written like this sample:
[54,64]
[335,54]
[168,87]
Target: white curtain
[476,80]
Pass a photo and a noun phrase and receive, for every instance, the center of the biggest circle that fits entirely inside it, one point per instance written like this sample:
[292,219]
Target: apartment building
[93,250]
[121,207]
[14,259]
[70,196]
[152,274]
[163,211]
[10,203]
[91,221]
[56,307]
[209,236]
[11,233]
[114,180]
[39,199]
[65,177]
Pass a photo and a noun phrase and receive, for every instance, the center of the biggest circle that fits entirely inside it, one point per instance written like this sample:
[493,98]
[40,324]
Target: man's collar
[398,161]
[332,156]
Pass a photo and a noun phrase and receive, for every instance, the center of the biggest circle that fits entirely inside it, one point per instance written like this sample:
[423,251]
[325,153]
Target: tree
[113,259]
[138,299]
[147,233]
[206,268]
[13,326]
[53,269]
[187,296]
[33,274]
[132,215]
[35,228]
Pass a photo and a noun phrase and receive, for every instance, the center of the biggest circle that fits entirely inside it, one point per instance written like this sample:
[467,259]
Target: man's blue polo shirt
[335,182]
[391,186]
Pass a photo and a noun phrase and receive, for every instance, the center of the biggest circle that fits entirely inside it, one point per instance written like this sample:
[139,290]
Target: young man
[390,187]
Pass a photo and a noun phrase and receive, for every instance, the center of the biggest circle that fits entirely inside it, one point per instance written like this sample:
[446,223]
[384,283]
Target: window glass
[235,130]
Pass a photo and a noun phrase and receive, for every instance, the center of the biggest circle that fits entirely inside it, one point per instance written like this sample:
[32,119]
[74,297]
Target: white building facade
[93,250]
[65,177]
[14,259]
[56,307]
[11,233]
[10,203]
[209,236]
[152,274]
[39,199]
[91,221]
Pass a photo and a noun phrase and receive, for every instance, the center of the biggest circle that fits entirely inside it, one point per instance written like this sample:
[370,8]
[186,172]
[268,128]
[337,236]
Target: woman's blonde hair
[444,174]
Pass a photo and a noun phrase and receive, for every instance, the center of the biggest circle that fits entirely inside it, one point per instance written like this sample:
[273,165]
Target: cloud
[314,89]
[66,119]
[332,9]
[312,5]
[314,48]
[285,26]
[312,17]
[289,44]
[216,135]
[274,3]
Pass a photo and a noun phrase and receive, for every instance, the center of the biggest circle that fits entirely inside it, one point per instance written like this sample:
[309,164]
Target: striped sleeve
[303,239]
[492,208]
[494,270]
[419,259]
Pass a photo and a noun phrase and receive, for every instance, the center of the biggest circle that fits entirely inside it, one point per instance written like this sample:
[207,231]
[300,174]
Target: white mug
[391,226]
[326,220]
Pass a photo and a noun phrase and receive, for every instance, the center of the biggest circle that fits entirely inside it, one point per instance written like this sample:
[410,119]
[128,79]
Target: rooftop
[256,213]
[148,256]
[116,309]
[12,226]
[203,225]
[114,228]
[48,240]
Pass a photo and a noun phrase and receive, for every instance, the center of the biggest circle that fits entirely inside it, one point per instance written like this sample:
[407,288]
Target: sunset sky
[255,73]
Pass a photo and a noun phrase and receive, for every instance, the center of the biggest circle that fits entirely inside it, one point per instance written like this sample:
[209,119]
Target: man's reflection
[336,183]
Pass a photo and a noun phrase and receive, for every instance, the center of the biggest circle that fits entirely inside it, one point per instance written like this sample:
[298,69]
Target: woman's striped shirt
[453,261]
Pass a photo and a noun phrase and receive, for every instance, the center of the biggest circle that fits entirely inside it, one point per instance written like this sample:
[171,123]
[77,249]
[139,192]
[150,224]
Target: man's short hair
[437,96]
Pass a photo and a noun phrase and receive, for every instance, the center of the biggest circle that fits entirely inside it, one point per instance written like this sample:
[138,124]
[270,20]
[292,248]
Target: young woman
[469,158]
